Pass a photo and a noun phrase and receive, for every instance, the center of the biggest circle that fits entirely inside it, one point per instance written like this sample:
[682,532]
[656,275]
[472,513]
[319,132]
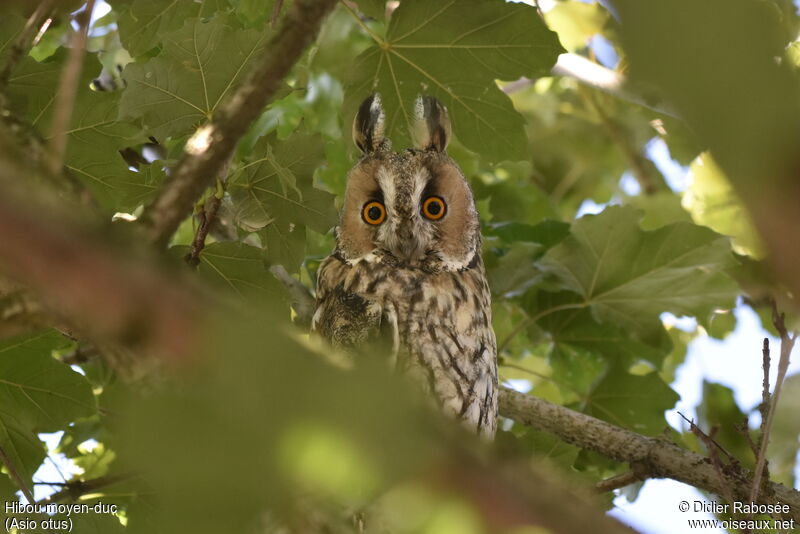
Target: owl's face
[413,208]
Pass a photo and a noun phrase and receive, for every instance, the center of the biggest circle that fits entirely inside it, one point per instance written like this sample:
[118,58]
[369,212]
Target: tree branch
[210,147]
[301,298]
[207,215]
[659,458]
[110,294]
[787,344]
[23,487]
[68,88]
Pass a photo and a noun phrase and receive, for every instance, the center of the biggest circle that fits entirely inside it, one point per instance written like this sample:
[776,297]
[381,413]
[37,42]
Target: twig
[76,488]
[707,439]
[659,457]
[713,449]
[68,88]
[787,344]
[212,144]
[617,482]
[23,487]
[20,46]
[764,409]
[276,12]
[302,300]
[207,215]
[718,465]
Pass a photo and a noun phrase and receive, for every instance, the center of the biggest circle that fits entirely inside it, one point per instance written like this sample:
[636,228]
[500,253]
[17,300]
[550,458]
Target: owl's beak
[407,245]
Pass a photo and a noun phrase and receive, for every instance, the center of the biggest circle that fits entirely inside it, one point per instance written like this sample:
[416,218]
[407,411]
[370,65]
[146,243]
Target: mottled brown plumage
[407,266]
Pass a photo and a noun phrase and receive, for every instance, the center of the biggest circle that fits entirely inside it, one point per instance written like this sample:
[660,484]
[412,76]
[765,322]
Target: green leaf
[628,277]
[95,523]
[197,67]
[513,199]
[514,272]
[95,136]
[543,445]
[145,24]
[285,244]
[38,394]
[455,53]
[258,189]
[546,233]
[254,12]
[659,209]
[7,490]
[630,401]
[32,85]
[575,370]
[95,139]
[239,268]
[373,8]
[722,323]
[745,125]
[95,463]
[712,202]
[575,22]
[577,328]
[718,409]
[11,25]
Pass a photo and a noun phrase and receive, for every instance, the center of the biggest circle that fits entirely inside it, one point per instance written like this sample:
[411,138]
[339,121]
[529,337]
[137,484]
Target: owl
[407,267]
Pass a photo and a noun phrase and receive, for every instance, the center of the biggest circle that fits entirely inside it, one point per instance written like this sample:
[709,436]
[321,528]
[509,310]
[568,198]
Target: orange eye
[434,208]
[373,212]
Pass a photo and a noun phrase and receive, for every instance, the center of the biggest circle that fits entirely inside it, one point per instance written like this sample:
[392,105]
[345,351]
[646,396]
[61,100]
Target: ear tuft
[431,130]
[369,124]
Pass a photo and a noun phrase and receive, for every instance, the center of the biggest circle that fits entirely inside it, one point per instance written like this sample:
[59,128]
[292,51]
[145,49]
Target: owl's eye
[373,212]
[434,208]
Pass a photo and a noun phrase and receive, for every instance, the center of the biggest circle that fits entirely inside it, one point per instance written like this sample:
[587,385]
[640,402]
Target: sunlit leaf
[712,202]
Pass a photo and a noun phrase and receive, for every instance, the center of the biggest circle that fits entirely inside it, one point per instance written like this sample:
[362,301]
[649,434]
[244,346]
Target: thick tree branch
[109,293]
[658,457]
[211,146]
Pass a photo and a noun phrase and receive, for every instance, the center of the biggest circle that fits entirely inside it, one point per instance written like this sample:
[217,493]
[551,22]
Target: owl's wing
[348,319]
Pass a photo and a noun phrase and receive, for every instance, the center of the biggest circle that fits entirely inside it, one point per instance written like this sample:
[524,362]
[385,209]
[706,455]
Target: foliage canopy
[579,299]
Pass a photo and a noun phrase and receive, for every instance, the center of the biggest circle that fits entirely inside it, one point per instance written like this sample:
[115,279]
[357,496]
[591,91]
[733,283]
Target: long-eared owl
[407,265]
